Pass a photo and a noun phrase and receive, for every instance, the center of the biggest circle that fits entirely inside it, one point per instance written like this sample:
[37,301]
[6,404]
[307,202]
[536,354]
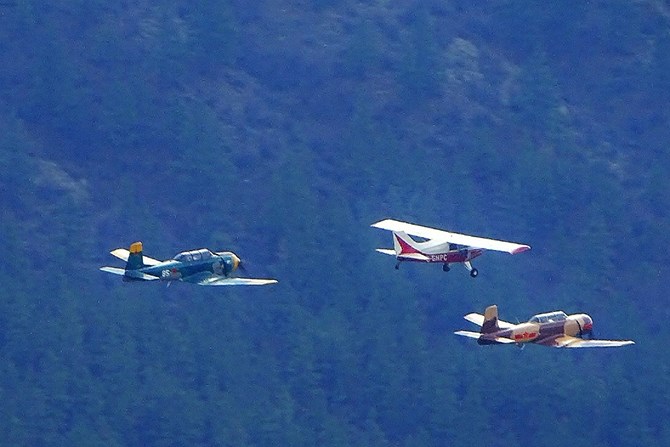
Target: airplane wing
[470,334]
[477,335]
[123,254]
[567,341]
[222,281]
[478,319]
[454,238]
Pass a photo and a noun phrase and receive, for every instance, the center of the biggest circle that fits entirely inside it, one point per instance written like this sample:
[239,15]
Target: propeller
[238,264]
[233,262]
[242,267]
[585,332]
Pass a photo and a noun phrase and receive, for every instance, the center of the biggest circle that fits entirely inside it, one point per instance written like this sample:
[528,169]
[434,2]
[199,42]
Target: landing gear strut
[397,266]
[473,271]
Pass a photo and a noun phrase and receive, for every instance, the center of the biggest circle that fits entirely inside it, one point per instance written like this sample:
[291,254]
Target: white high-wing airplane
[442,246]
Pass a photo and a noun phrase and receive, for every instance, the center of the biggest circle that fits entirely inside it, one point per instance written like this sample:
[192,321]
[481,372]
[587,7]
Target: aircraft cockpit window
[558,316]
[183,257]
[196,256]
[206,254]
[548,318]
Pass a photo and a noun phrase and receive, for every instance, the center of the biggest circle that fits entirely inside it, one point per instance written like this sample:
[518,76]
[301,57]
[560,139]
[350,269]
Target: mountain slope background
[281,132]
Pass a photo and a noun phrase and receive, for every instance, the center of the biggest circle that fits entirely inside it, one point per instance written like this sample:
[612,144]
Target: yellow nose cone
[136,247]
[236,261]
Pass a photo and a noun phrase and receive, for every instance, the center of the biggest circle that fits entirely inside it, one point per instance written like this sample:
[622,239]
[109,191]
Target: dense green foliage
[281,130]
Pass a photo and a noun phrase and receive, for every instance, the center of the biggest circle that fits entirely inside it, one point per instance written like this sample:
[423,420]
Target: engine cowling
[229,262]
[578,325]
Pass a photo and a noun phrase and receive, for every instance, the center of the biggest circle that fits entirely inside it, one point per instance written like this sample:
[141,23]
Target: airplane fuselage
[453,256]
[443,252]
[174,270]
[540,332]
[202,267]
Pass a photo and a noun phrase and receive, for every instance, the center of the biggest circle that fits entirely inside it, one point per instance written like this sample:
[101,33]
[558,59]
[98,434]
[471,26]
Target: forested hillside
[282,130]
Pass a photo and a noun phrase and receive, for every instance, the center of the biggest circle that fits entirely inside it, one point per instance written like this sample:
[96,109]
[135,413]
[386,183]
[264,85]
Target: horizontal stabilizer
[219,281]
[478,319]
[386,251]
[475,318]
[468,334]
[408,256]
[139,275]
[114,270]
[128,273]
[477,335]
[123,255]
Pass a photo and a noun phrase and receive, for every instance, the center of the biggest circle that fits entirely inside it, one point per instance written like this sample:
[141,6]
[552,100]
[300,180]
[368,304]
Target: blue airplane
[202,267]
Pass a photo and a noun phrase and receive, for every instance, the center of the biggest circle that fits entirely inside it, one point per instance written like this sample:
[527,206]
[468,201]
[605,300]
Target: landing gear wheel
[397,266]
[474,273]
[445,267]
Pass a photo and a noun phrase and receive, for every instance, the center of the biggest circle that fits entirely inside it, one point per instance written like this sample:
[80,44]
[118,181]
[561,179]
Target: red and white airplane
[441,246]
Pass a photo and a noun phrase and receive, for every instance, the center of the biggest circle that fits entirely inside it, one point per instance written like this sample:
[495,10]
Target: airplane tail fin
[403,244]
[135,258]
[407,248]
[490,323]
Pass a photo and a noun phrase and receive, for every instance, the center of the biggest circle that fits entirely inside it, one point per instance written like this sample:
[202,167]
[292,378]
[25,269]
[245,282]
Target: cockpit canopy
[549,317]
[193,255]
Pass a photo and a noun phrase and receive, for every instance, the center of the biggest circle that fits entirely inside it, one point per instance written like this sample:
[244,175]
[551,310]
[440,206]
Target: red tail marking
[405,248]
